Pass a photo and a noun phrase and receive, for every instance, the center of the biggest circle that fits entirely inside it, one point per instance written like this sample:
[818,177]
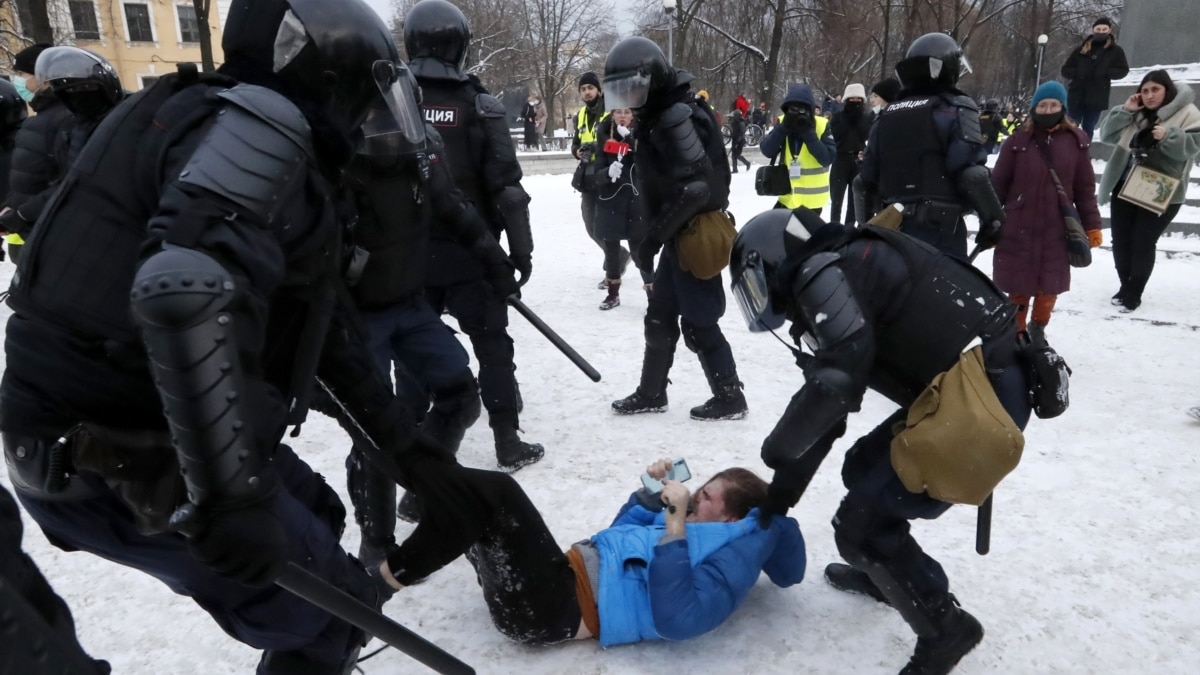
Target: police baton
[308,586]
[567,350]
[983,527]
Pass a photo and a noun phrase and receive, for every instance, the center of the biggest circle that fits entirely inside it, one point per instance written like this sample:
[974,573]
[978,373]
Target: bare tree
[206,48]
[563,36]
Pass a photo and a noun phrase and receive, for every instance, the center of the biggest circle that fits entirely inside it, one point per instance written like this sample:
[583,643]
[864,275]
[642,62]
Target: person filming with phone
[672,565]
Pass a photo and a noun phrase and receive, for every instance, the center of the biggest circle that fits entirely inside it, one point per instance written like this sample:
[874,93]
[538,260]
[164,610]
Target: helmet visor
[394,123]
[626,90]
[752,294]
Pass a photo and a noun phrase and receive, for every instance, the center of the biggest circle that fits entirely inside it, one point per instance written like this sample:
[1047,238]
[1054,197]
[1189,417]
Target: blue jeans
[426,357]
[1087,119]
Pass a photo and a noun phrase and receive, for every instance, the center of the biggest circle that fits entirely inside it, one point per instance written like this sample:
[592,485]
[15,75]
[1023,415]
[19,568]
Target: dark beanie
[888,89]
[26,59]
[1163,78]
[1102,21]
[588,78]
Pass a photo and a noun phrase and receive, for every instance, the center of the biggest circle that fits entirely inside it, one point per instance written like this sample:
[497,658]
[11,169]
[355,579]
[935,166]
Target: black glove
[783,493]
[644,256]
[247,545]
[499,270]
[988,235]
[524,265]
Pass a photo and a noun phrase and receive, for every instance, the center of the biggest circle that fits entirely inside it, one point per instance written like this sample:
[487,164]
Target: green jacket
[1175,152]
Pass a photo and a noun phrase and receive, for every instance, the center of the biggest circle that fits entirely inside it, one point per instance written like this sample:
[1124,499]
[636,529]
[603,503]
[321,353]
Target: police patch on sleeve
[441,117]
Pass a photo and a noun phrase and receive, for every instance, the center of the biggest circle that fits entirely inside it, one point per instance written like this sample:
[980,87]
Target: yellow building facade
[143,39]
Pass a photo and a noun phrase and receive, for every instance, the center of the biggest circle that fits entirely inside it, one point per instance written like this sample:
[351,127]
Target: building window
[189,27]
[137,18]
[148,80]
[83,19]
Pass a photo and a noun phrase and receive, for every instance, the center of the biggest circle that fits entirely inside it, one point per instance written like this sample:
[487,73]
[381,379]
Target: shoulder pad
[675,115]
[969,128]
[487,105]
[961,101]
[246,160]
[425,68]
[275,110]
[826,300]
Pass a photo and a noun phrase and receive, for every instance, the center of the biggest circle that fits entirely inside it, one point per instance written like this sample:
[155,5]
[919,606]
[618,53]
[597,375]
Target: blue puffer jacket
[686,587]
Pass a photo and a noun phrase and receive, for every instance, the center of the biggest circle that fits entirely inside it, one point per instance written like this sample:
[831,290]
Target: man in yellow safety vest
[584,148]
[803,142]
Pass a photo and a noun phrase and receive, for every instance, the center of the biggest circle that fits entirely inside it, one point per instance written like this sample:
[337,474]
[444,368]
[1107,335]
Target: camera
[586,150]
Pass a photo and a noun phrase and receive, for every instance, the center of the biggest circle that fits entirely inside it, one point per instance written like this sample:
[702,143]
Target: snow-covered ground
[1093,566]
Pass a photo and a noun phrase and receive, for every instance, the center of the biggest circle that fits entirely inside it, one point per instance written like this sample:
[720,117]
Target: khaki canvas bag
[704,245]
[958,442]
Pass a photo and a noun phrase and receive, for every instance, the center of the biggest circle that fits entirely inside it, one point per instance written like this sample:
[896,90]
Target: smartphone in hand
[679,471]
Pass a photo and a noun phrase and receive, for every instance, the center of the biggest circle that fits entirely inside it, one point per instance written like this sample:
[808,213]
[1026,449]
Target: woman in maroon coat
[1031,259]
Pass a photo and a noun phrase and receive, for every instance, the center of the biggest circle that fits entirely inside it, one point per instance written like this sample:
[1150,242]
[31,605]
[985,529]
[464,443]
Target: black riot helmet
[317,51]
[12,107]
[933,58]
[436,37]
[85,82]
[636,72]
[759,249]
[394,125]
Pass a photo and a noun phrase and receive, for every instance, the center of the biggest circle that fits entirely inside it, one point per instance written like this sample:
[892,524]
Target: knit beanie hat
[26,59]
[1049,90]
[855,90]
[588,78]
[1102,21]
[888,89]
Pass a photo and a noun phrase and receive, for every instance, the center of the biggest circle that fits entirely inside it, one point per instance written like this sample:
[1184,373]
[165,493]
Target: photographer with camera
[584,148]
[672,565]
[808,149]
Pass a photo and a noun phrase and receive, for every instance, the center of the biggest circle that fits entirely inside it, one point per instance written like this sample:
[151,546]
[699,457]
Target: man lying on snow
[655,573]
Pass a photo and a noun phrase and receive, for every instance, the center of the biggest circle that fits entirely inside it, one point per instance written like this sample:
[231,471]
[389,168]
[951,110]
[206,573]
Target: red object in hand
[615,147]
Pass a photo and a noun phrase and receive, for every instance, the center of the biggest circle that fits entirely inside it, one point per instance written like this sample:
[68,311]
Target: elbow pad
[824,401]
[677,214]
[512,203]
[179,299]
[975,185]
[827,301]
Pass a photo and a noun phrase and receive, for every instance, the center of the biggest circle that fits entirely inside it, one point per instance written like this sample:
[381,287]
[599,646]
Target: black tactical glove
[499,270]
[785,490]
[644,256]
[524,265]
[248,545]
[988,235]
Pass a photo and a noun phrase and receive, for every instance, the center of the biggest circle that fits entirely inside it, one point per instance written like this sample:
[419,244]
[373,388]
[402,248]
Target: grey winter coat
[1173,155]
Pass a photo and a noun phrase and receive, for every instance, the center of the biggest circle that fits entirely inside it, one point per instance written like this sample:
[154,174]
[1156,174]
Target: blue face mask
[22,90]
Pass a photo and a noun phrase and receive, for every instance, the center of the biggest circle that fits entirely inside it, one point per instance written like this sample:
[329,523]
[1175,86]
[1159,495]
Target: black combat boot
[727,403]
[511,452]
[455,408]
[651,394]
[845,578]
[957,633]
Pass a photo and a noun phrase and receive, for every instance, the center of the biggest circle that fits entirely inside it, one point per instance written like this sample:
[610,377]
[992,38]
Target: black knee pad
[702,339]
[662,332]
[459,402]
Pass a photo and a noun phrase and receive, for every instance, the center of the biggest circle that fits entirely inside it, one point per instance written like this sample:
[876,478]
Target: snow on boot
[614,294]
[728,403]
[639,402]
[845,578]
[511,452]
[957,633]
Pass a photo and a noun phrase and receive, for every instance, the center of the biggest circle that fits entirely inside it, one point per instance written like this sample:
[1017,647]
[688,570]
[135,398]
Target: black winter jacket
[35,166]
[850,132]
[1091,74]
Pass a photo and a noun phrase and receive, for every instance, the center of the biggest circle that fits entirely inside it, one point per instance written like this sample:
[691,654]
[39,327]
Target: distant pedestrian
[737,137]
[1091,70]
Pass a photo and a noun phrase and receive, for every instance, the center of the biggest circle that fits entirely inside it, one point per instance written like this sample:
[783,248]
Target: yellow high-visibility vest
[585,133]
[811,188]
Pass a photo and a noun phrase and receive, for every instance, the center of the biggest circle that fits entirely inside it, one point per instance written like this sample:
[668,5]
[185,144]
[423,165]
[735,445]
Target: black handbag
[772,180]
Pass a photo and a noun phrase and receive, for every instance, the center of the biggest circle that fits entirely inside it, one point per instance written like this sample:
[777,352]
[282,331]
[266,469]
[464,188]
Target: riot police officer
[927,152]
[178,293]
[473,126]
[401,193]
[879,309]
[87,85]
[682,175]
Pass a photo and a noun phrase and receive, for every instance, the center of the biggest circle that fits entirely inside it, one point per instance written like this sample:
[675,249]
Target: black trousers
[735,155]
[841,175]
[19,573]
[613,255]
[526,581]
[483,316]
[1135,233]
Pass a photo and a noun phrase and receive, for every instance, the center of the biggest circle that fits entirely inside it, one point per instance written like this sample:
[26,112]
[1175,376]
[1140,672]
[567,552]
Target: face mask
[1047,120]
[876,108]
[1099,38]
[853,107]
[22,90]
